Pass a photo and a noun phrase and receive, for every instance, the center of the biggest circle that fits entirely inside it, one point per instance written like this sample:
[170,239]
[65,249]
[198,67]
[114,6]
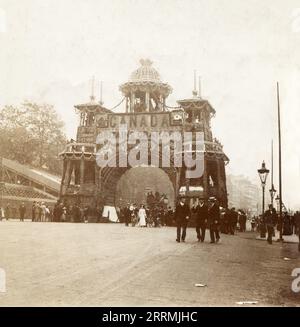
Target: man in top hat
[182,215]
[213,219]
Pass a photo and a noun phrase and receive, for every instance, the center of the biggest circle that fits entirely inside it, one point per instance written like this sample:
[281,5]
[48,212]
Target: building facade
[243,194]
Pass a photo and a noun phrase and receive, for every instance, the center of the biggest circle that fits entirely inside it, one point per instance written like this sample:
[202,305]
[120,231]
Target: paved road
[64,264]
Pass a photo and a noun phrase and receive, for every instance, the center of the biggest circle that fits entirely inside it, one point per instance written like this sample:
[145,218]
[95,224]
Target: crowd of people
[211,216]
[204,216]
[42,212]
[146,216]
[289,224]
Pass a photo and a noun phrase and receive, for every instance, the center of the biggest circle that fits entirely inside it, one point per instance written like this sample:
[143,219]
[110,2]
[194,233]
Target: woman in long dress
[142,217]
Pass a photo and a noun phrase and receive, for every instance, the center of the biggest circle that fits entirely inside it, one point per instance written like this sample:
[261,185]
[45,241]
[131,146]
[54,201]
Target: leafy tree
[32,134]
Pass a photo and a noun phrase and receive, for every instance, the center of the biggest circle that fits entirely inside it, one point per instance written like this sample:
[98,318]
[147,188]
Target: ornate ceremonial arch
[84,182]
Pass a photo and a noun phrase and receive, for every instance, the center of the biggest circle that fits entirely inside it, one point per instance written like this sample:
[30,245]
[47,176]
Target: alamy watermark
[156,149]
[296,282]
[2,281]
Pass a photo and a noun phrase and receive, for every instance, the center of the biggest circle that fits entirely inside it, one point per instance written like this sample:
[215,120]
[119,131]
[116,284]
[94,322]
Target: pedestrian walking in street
[39,212]
[142,216]
[287,224]
[270,218]
[201,221]
[22,211]
[242,220]
[182,216]
[59,212]
[233,219]
[133,216]
[55,211]
[33,211]
[127,214]
[253,224]
[63,217]
[214,219]
[43,212]
[47,213]
[7,211]
[226,222]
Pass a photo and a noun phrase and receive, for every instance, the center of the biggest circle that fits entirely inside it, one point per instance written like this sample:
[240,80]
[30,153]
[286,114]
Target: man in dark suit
[127,214]
[233,219]
[214,219]
[242,220]
[201,220]
[22,211]
[270,221]
[182,215]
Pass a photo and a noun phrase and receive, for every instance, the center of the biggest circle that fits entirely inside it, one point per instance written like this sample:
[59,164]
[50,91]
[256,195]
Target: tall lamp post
[280,165]
[263,174]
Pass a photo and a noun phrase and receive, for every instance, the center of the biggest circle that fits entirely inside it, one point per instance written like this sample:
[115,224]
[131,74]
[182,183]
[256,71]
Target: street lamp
[263,174]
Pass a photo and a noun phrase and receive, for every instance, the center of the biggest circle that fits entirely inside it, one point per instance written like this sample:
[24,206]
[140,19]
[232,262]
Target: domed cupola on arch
[145,92]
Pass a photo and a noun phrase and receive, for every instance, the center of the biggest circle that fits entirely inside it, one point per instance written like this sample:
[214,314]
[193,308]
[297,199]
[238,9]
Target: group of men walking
[213,218]
[207,216]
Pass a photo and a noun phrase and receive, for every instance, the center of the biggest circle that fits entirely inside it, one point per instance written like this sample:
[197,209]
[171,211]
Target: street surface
[65,264]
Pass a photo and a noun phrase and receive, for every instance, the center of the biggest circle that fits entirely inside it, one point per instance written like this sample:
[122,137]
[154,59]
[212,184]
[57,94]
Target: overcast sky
[49,49]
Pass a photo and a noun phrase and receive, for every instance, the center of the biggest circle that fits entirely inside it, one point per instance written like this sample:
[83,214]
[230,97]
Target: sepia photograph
[149,156]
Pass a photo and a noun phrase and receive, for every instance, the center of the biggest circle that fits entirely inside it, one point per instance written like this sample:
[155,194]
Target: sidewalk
[286,239]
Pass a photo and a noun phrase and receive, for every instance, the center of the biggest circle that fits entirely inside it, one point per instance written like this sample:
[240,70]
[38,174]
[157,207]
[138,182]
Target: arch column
[68,175]
[82,170]
[205,177]
[127,105]
[132,99]
[63,177]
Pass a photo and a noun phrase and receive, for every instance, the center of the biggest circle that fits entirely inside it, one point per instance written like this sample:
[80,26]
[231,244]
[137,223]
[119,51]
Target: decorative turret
[88,110]
[198,112]
[144,91]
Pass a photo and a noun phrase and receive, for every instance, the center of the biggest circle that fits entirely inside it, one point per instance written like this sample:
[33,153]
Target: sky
[50,49]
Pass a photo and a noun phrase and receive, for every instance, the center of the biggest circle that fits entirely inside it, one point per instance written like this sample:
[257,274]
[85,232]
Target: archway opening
[137,183]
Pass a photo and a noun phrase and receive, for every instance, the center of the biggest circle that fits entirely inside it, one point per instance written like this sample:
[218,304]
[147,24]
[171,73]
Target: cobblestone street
[50,264]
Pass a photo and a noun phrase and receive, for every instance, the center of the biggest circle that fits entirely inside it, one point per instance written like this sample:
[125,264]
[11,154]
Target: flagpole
[280,167]
[272,173]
